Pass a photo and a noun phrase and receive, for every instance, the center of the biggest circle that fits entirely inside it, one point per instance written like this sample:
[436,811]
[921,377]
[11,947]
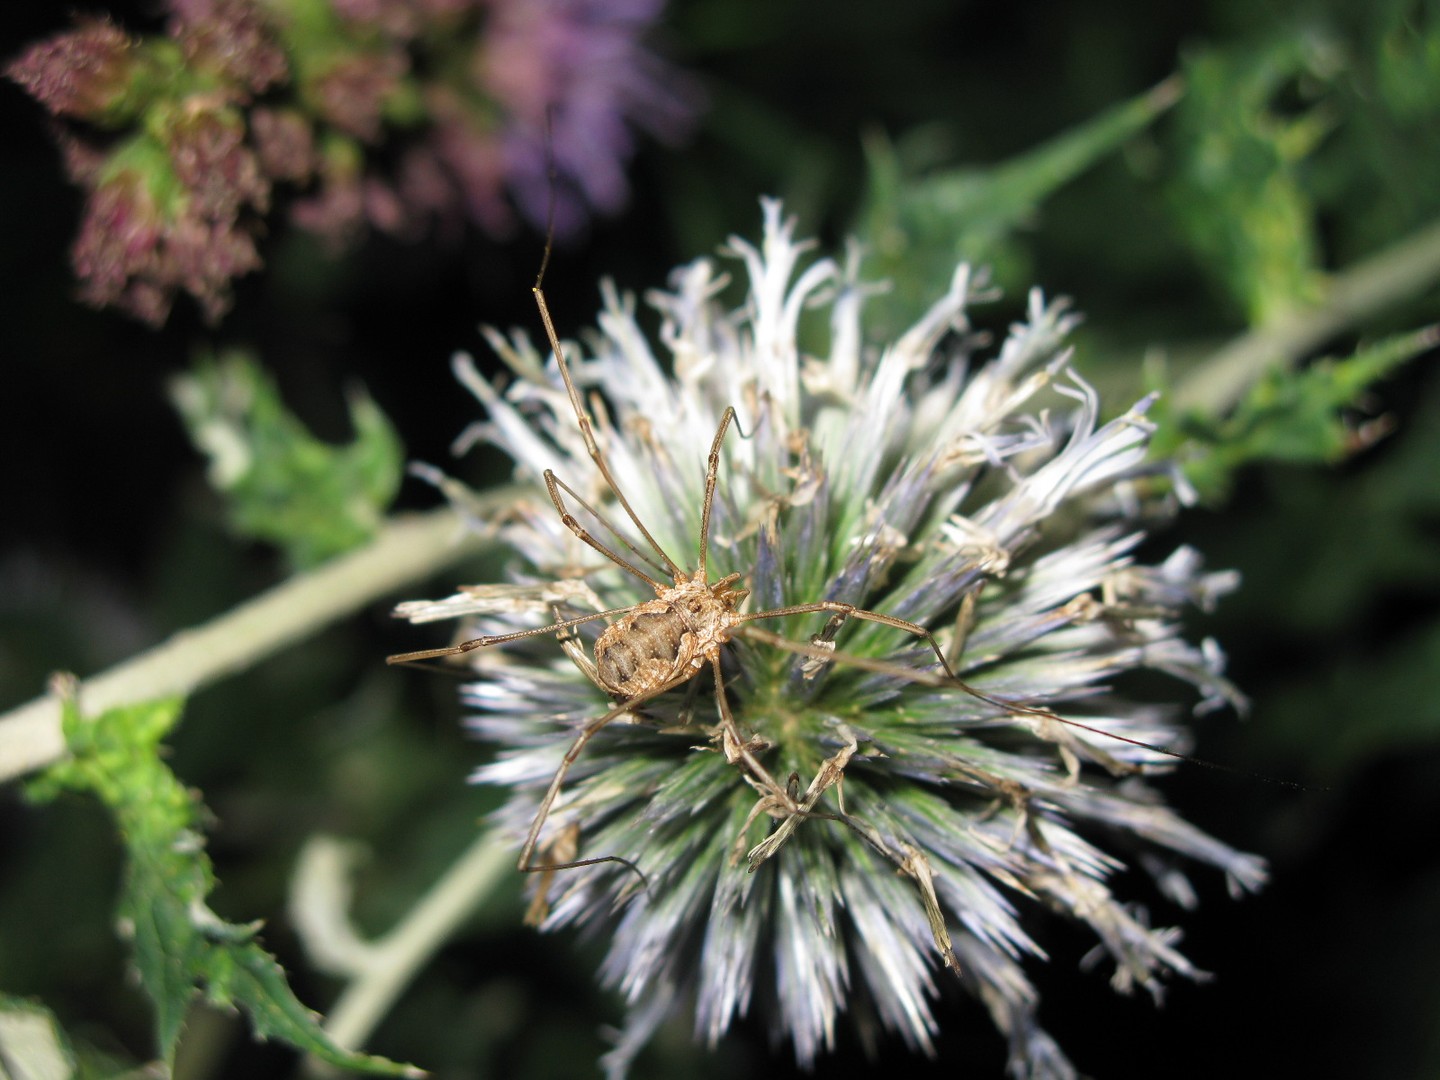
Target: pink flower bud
[82,73]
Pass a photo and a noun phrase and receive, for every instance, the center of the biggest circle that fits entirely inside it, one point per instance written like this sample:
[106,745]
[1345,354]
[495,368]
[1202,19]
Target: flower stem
[1384,280]
[381,969]
[407,549]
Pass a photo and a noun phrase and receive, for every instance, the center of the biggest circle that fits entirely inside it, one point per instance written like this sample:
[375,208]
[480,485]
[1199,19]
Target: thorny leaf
[1293,417]
[1239,199]
[284,485]
[180,946]
[915,229]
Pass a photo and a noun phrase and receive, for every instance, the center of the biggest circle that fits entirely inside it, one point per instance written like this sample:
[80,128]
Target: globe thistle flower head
[843,821]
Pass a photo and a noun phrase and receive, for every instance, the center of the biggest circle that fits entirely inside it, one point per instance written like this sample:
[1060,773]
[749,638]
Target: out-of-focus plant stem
[1384,280]
[381,969]
[406,550]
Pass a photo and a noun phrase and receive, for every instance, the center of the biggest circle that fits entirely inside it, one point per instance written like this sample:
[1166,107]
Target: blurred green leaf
[284,485]
[180,946]
[1407,62]
[1334,586]
[1376,171]
[1284,417]
[1243,134]
[916,230]
[1367,705]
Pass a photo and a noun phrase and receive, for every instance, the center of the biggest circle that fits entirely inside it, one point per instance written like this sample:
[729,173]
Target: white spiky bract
[934,480]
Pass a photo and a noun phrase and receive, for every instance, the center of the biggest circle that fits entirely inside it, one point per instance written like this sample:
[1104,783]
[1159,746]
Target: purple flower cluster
[387,114]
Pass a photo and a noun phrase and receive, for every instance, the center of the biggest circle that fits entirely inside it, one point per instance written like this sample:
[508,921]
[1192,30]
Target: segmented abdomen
[640,651]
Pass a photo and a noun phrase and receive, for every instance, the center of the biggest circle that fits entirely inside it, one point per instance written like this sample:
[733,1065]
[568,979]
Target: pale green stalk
[407,550]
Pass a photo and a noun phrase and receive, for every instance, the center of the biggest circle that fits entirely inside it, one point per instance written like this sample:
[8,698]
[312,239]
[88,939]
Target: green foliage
[1287,417]
[1352,605]
[181,947]
[1377,704]
[915,229]
[283,484]
[1376,171]
[1239,195]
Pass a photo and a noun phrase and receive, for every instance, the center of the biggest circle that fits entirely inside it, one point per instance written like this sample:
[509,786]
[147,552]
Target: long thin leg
[843,611]
[583,418]
[712,470]
[735,745]
[964,621]
[728,726]
[553,485]
[640,556]
[571,646]
[496,639]
[586,734]
[930,678]
[830,774]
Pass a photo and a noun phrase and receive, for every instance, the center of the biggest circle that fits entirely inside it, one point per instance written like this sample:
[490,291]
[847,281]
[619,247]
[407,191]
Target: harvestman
[660,644]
